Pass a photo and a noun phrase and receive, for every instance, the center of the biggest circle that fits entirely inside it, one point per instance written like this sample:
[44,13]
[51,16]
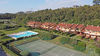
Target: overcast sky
[12,6]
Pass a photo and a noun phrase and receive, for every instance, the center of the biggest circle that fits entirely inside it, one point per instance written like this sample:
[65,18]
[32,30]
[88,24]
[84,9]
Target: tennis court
[48,49]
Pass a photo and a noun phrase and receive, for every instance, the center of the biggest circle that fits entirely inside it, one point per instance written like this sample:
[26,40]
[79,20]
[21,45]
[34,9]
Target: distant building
[28,12]
[76,6]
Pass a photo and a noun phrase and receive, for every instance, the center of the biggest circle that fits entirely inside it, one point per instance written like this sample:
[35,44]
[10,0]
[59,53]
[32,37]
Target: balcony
[87,32]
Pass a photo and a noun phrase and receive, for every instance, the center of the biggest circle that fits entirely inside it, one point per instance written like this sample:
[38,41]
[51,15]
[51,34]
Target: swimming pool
[23,34]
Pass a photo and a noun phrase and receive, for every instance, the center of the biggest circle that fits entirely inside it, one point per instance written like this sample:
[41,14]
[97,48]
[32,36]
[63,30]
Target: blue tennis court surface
[43,48]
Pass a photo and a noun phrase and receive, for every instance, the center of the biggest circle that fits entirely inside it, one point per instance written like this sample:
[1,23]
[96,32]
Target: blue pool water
[26,33]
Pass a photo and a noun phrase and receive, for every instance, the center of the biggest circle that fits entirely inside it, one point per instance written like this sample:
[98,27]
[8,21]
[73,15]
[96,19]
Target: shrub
[71,35]
[64,40]
[6,37]
[79,37]
[24,53]
[8,51]
[98,50]
[73,42]
[2,34]
[45,36]
[81,46]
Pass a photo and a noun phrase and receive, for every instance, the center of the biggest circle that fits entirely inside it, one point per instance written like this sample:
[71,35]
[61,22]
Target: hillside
[88,15]
[79,15]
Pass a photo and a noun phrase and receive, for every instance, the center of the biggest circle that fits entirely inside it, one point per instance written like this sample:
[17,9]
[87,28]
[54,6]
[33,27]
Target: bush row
[78,45]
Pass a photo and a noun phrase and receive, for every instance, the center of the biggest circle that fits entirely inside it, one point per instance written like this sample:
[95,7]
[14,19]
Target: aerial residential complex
[92,32]
[50,28]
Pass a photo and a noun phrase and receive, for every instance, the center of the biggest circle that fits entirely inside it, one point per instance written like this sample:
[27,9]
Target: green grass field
[14,31]
[48,49]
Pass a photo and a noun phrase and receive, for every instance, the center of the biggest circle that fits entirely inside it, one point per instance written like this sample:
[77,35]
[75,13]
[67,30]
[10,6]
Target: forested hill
[79,15]
[7,16]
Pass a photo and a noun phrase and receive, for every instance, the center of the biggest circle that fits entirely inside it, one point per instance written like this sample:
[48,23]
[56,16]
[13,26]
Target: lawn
[57,41]
[14,31]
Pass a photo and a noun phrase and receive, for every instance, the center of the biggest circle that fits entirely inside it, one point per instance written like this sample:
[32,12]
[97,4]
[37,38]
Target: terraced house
[74,28]
[64,27]
[80,29]
[92,32]
[48,26]
[34,24]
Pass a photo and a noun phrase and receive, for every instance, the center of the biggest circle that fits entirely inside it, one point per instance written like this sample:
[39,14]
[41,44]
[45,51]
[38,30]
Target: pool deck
[24,34]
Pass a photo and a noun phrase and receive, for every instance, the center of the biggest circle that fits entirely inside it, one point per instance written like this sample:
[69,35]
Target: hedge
[8,51]
[64,40]
[81,46]
[45,36]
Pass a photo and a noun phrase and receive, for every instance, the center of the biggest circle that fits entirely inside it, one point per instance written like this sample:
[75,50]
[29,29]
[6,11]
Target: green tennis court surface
[48,49]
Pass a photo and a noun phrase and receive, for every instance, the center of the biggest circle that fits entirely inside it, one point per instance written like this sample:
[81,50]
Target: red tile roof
[80,26]
[38,23]
[50,25]
[30,22]
[64,25]
[69,25]
[93,28]
[74,26]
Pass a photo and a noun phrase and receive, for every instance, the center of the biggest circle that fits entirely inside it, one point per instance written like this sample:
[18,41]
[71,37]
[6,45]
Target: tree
[81,15]
[97,2]
[45,36]
[98,50]
[81,46]
[64,40]
[24,53]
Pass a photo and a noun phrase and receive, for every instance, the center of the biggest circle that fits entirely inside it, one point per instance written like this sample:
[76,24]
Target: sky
[13,6]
